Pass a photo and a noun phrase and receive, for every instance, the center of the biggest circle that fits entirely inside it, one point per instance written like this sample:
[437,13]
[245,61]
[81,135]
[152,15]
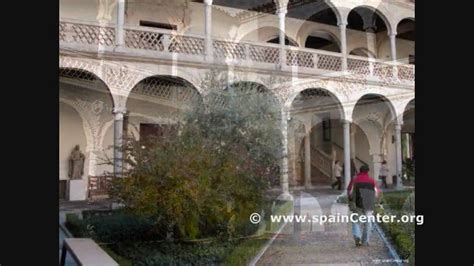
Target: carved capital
[281,6]
[105,9]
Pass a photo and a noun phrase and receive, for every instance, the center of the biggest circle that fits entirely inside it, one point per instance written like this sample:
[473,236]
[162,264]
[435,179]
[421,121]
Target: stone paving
[329,244]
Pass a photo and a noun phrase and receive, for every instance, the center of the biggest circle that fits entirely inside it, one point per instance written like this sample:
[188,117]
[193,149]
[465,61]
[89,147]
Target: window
[327,129]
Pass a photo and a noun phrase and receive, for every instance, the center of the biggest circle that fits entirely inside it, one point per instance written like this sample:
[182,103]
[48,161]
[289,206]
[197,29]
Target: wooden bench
[85,252]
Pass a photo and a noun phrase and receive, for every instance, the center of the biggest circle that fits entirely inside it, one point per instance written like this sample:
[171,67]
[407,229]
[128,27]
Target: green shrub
[122,227]
[207,179]
[170,253]
[401,234]
[76,226]
[86,214]
[404,244]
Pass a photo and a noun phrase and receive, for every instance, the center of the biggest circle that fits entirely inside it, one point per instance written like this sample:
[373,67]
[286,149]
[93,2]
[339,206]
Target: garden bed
[402,235]
[134,241]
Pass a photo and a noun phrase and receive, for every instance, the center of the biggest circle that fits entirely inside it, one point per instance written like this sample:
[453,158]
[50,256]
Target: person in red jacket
[362,193]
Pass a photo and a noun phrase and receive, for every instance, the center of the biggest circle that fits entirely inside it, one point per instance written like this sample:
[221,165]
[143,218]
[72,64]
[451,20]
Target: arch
[376,120]
[402,19]
[288,40]
[266,33]
[361,51]
[324,35]
[408,114]
[84,75]
[296,89]
[166,87]
[374,96]
[323,99]
[374,11]
[316,11]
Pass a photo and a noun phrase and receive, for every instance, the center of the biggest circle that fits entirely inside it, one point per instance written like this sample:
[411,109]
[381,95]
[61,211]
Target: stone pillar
[398,154]
[342,37]
[393,46]
[119,32]
[307,160]
[118,141]
[346,126]
[281,20]
[284,162]
[353,142]
[371,39]
[208,29]
[407,145]
[377,163]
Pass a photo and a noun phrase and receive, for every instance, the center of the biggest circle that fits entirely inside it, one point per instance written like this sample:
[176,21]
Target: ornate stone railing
[166,41]
[83,33]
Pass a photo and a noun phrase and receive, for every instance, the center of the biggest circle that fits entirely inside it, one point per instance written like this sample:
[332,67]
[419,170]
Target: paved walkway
[330,244]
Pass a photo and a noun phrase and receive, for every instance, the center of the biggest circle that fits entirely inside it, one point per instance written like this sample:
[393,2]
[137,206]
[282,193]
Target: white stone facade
[103,40]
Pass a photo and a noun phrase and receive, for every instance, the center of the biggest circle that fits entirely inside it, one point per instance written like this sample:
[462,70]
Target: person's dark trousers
[384,181]
[338,182]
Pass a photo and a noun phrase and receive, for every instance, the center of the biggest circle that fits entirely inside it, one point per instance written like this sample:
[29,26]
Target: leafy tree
[206,175]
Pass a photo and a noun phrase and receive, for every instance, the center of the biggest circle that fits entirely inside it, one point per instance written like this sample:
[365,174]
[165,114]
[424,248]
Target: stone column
[119,32]
[342,37]
[208,29]
[393,46]
[281,20]
[371,39]
[377,163]
[346,126]
[398,148]
[307,160]
[353,142]
[407,145]
[118,141]
[284,162]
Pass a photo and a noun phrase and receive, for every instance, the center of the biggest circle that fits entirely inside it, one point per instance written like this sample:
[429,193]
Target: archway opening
[362,52]
[314,137]
[406,41]
[85,107]
[374,24]
[276,40]
[408,143]
[374,115]
[322,40]
[156,104]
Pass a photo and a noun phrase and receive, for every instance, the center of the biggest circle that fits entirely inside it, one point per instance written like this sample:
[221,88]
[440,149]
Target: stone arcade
[346,69]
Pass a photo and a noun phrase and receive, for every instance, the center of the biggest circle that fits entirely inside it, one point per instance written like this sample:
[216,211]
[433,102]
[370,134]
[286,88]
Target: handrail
[321,167]
[162,40]
[342,149]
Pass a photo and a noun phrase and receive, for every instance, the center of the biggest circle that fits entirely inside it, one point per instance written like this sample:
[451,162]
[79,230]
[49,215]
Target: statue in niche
[76,163]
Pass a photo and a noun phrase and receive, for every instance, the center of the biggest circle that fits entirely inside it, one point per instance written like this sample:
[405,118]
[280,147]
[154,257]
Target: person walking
[383,174]
[362,193]
[337,170]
